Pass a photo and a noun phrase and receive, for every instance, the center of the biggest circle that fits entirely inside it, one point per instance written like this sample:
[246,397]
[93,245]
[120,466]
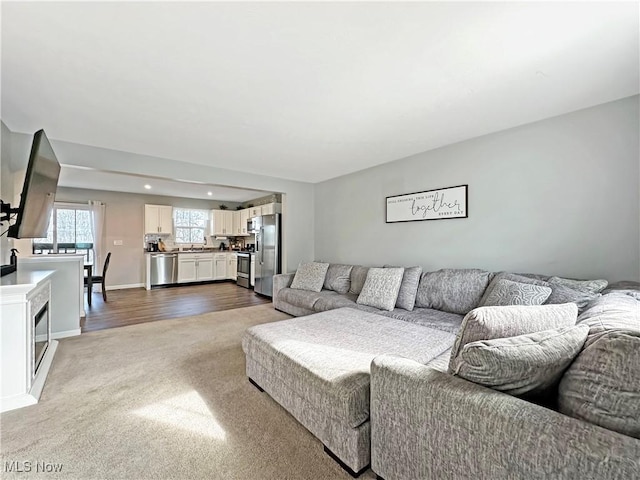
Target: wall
[559,196]
[6,187]
[124,217]
[297,198]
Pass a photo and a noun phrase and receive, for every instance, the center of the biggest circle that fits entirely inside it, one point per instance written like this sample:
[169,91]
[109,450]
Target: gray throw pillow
[310,276]
[338,278]
[452,290]
[381,288]
[408,288]
[524,364]
[589,286]
[563,294]
[507,292]
[358,277]
[514,278]
[487,323]
[602,385]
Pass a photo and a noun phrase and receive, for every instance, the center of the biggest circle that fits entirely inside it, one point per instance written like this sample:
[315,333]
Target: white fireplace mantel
[22,294]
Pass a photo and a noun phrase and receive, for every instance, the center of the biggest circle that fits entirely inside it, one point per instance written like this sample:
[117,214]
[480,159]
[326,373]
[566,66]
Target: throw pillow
[589,286]
[310,276]
[487,323]
[602,385]
[507,292]
[452,290]
[514,278]
[381,288]
[563,294]
[358,277]
[524,364]
[408,288]
[338,278]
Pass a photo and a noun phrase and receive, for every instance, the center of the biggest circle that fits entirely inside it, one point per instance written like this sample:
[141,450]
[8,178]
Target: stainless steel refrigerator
[268,253]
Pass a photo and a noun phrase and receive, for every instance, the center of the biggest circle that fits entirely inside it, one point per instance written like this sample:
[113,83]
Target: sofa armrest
[427,424]
[280,281]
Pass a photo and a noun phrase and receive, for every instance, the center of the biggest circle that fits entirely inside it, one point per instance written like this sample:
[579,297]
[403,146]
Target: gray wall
[6,187]
[559,196]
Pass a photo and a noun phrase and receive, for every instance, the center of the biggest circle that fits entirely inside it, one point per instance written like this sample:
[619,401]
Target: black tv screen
[38,191]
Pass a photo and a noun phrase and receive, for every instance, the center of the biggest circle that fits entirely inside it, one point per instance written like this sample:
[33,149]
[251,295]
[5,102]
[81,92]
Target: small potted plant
[223,207]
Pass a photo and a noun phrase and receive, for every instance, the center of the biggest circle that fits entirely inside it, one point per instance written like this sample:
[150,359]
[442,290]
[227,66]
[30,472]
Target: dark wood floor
[137,305]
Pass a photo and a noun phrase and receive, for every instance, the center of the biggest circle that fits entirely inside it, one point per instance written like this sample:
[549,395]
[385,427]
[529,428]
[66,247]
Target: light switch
[117,242]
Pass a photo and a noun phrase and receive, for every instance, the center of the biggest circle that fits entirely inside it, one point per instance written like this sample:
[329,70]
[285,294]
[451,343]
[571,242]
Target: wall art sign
[440,204]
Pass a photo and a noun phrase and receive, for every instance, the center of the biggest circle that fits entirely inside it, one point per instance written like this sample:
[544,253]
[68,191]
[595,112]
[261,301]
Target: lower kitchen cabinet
[195,268]
[220,266]
[232,267]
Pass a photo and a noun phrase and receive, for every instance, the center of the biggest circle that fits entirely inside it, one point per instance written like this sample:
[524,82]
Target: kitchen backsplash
[169,241]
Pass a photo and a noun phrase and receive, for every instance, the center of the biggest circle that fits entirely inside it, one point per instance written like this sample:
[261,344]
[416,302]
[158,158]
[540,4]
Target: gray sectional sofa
[376,385]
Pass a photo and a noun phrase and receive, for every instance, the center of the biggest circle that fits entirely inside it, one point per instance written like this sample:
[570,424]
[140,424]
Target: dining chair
[102,278]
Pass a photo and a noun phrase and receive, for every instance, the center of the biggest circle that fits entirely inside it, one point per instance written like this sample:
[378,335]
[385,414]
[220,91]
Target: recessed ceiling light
[209,193]
[147,186]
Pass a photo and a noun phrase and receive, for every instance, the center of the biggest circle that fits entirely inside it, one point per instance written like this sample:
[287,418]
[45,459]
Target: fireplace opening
[40,336]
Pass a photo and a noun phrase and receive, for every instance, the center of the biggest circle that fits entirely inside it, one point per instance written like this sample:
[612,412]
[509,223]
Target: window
[190,225]
[70,231]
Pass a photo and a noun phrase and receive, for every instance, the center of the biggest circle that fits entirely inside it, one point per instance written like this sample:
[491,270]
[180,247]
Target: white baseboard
[66,333]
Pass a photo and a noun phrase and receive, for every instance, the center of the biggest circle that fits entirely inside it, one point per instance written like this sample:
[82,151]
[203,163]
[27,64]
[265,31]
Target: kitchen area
[187,247]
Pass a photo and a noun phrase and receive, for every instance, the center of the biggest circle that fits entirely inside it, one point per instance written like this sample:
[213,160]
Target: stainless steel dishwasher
[164,269]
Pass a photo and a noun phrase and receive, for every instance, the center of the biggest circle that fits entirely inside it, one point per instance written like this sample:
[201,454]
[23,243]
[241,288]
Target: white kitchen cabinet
[232,266]
[195,267]
[271,208]
[158,219]
[220,266]
[204,266]
[244,218]
[237,227]
[187,271]
[255,211]
[221,223]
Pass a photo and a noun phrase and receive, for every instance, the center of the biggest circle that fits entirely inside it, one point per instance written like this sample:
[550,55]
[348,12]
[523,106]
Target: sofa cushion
[452,290]
[507,292]
[589,286]
[487,323]
[428,317]
[333,300]
[602,386]
[338,278]
[310,276]
[381,288]
[358,277]
[614,311]
[325,358]
[514,277]
[300,298]
[524,364]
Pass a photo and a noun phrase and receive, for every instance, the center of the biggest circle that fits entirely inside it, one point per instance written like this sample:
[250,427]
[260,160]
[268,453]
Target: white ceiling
[118,182]
[306,91]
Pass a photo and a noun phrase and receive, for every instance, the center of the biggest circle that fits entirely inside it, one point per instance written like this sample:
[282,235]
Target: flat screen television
[38,191]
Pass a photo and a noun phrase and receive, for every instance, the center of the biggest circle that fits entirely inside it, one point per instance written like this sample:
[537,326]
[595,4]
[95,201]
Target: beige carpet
[166,399]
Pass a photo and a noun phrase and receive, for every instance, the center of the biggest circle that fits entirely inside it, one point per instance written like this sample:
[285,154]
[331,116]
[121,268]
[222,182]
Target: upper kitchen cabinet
[244,218]
[158,219]
[255,211]
[271,208]
[222,223]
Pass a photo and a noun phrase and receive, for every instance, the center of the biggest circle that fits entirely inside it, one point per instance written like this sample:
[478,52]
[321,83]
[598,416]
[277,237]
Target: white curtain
[98,228]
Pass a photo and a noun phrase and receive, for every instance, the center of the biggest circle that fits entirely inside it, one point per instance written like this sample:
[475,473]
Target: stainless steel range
[244,269]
